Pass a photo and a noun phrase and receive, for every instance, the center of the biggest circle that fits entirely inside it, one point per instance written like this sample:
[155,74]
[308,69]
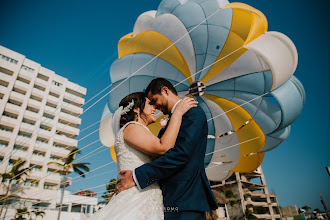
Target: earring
[138,115]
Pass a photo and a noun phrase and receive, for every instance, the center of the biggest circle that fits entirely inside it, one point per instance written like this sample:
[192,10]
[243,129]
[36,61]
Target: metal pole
[325,207]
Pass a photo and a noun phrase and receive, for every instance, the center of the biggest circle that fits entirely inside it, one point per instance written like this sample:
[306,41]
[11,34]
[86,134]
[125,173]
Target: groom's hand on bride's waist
[125,182]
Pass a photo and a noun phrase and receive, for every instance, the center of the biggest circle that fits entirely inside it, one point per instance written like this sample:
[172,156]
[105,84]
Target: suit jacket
[180,171]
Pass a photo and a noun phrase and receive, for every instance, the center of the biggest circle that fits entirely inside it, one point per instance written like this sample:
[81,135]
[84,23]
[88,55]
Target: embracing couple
[164,177]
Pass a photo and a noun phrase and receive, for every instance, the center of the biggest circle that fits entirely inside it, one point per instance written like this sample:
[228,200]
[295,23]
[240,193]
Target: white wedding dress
[146,204]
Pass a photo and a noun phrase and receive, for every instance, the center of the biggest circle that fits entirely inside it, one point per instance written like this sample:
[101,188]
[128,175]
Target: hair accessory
[128,107]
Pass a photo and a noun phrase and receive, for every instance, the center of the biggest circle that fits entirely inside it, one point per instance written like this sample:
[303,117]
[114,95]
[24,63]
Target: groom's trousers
[187,215]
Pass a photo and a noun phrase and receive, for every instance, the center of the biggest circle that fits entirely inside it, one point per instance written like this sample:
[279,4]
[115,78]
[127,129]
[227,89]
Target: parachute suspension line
[227,162]
[238,106]
[90,125]
[151,60]
[232,146]
[209,66]
[230,132]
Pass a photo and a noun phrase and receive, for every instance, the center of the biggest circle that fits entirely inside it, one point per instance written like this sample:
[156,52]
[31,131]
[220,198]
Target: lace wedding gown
[146,204]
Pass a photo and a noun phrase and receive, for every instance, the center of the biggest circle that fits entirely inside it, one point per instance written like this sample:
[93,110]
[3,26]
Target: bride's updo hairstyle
[133,101]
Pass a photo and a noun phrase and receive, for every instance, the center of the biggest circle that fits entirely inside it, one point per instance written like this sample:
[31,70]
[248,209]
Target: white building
[39,116]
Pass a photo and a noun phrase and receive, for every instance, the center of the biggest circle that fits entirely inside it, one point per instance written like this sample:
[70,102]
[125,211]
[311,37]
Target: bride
[135,145]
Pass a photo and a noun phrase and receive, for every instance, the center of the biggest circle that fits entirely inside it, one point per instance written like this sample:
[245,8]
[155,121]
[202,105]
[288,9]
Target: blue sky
[78,40]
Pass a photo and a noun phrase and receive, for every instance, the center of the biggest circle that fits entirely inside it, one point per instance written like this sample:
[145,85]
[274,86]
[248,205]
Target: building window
[37,168]
[57,84]
[8,59]
[43,77]
[24,134]
[38,153]
[28,182]
[48,186]
[5,128]
[5,180]
[3,144]
[28,69]
[19,147]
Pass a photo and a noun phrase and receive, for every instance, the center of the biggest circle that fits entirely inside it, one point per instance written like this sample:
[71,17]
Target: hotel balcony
[68,129]
[20,142]
[38,93]
[56,89]
[69,118]
[23,140]
[51,110]
[17,96]
[39,160]
[31,115]
[3,89]
[60,152]
[41,146]
[5,135]
[52,99]
[14,109]
[27,127]
[42,83]
[19,154]
[62,139]
[3,152]
[73,98]
[5,77]
[72,108]
[47,121]
[44,133]
[34,103]
[21,85]
[76,88]
[53,178]
[25,74]
[8,121]
[36,174]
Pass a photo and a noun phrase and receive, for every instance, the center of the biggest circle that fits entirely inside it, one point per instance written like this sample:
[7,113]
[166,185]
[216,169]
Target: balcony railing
[62,139]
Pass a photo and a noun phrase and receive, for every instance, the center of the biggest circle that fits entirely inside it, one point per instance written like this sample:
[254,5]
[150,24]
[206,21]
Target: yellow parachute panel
[156,44]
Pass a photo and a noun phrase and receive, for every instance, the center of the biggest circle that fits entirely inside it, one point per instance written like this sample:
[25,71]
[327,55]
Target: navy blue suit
[180,171]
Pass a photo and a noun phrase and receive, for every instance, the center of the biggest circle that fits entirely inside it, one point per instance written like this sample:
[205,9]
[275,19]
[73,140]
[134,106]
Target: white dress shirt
[134,177]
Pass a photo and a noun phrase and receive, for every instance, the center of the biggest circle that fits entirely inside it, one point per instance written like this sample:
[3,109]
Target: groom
[180,171]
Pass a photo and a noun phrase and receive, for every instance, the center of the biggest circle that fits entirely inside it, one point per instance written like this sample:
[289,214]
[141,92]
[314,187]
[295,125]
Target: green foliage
[111,186]
[38,212]
[229,194]
[232,202]
[16,171]
[249,214]
[22,214]
[67,164]
[306,207]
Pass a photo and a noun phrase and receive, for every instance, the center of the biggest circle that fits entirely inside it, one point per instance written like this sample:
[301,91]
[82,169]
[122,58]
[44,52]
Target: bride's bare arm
[141,139]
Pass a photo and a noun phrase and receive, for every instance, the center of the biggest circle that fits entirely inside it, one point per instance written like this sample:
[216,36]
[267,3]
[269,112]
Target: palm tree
[306,207]
[111,186]
[22,214]
[66,165]
[38,212]
[15,173]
